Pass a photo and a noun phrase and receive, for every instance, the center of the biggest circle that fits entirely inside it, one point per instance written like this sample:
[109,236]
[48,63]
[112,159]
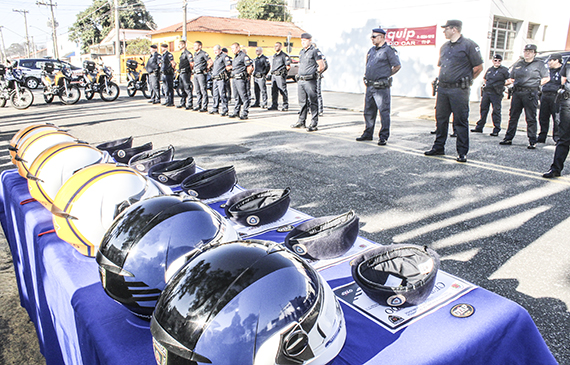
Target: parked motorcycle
[137,80]
[59,83]
[12,87]
[98,80]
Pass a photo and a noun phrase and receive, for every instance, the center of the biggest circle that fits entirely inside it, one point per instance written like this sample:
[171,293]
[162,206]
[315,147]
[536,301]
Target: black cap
[378,30]
[143,161]
[117,144]
[530,47]
[453,23]
[172,172]
[123,155]
[556,56]
[498,57]
[225,50]
[258,206]
[306,36]
[153,46]
[164,45]
[209,184]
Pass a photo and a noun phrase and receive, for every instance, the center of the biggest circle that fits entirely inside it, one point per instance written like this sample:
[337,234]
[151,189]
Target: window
[502,38]
[532,29]
[251,44]
[298,4]
[544,34]
[170,46]
[27,63]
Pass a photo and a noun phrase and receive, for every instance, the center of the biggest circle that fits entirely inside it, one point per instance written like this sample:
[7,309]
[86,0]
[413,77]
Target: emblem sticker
[395,319]
[462,310]
[140,167]
[162,178]
[193,193]
[299,249]
[160,353]
[252,220]
[286,228]
[121,153]
[396,300]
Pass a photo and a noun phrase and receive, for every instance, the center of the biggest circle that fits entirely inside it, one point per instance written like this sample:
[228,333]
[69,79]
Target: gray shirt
[308,61]
[280,61]
[457,60]
[220,62]
[201,61]
[240,63]
[380,61]
[528,74]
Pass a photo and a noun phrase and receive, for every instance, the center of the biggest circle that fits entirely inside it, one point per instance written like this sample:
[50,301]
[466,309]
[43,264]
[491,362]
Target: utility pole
[118,41]
[24,12]
[184,25]
[4,57]
[53,26]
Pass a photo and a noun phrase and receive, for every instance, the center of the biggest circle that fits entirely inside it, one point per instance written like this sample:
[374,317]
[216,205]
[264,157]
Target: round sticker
[396,300]
[192,193]
[121,153]
[252,220]
[140,167]
[299,249]
[162,178]
[462,310]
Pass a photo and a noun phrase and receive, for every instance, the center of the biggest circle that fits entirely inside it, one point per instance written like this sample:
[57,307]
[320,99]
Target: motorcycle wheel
[146,91]
[131,89]
[72,95]
[111,92]
[22,99]
[2,102]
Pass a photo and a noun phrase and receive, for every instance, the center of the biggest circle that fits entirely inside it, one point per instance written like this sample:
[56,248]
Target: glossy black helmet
[172,172]
[247,302]
[258,206]
[211,183]
[150,241]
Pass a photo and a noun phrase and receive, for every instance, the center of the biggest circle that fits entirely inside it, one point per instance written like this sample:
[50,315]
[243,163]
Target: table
[77,323]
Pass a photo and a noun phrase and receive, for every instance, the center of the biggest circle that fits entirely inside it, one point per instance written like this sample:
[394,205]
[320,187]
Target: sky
[164,12]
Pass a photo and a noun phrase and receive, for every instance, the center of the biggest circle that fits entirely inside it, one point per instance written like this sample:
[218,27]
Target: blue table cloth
[77,323]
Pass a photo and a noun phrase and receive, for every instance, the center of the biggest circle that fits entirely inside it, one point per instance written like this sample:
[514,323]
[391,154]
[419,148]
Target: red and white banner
[421,36]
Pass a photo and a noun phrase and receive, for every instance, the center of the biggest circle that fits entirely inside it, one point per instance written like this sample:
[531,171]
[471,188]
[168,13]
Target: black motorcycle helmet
[150,241]
[247,302]
[258,206]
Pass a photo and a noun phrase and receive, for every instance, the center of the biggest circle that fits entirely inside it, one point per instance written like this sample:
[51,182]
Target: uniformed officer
[153,69]
[548,106]
[261,68]
[382,62]
[228,89]
[310,64]
[563,142]
[493,88]
[319,85]
[167,66]
[221,64]
[242,67]
[460,62]
[185,68]
[527,76]
[280,65]
[201,59]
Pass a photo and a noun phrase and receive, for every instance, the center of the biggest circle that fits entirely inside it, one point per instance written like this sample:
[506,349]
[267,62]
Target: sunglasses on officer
[497,60]
[376,35]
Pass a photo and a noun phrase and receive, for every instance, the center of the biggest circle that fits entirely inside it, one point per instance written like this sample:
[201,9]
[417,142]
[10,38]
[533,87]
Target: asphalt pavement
[494,220]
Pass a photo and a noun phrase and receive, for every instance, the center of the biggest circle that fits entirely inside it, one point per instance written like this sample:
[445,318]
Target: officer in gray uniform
[228,78]
[261,68]
[319,85]
[153,69]
[382,62]
[222,63]
[185,67]
[460,63]
[548,105]
[241,69]
[563,142]
[527,76]
[167,71]
[201,59]
[280,65]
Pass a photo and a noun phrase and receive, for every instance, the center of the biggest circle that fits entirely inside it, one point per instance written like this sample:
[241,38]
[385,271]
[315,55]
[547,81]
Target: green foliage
[95,22]
[275,10]
[138,46]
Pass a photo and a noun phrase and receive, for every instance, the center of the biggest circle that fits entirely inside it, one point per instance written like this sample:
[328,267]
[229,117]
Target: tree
[16,50]
[275,10]
[94,23]
[138,46]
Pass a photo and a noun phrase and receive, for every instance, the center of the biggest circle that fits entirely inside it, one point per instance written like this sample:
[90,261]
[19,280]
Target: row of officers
[241,68]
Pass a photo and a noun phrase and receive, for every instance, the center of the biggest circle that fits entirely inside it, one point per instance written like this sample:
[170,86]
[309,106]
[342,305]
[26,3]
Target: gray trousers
[377,101]
[307,90]
[260,89]
[279,86]
[220,97]
[527,100]
[241,97]
[154,86]
[201,91]
[185,86]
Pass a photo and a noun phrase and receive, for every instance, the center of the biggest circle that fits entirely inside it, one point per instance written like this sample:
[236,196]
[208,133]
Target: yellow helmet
[51,169]
[26,133]
[88,202]
[35,145]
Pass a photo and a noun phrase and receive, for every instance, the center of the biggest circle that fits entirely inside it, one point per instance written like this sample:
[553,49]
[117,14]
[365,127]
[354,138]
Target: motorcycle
[137,80]
[98,80]
[12,88]
[59,84]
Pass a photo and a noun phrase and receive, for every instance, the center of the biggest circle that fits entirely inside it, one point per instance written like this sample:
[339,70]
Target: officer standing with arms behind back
[167,69]
[527,76]
[493,88]
[261,68]
[310,64]
[460,63]
[201,59]
[280,66]
[185,67]
[548,103]
[222,63]
[382,62]
[153,69]
[241,69]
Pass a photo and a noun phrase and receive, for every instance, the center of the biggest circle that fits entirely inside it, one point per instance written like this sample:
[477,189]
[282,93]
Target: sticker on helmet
[192,193]
[462,310]
[163,178]
[299,249]
[121,153]
[252,220]
[140,167]
[396,300]
[160,353]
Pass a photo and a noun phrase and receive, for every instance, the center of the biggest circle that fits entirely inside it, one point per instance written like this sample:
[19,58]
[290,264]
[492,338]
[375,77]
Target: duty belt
[240,76]
[449,85]
[220,76]
[549,92]
[258,75]
[198,72]
[379,84]
[278,72]
[522,88]
[306,77]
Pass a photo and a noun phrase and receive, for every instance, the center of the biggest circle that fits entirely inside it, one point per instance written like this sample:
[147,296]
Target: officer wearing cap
[493,87]
[221,64]
[167,70]
[153,69]
[261,68]
[280,65]
[201,61]
[382,62]
[527,75]
[548,105]
[310,64]
[563,142]
[242,67]
[185,67]
[460,62]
